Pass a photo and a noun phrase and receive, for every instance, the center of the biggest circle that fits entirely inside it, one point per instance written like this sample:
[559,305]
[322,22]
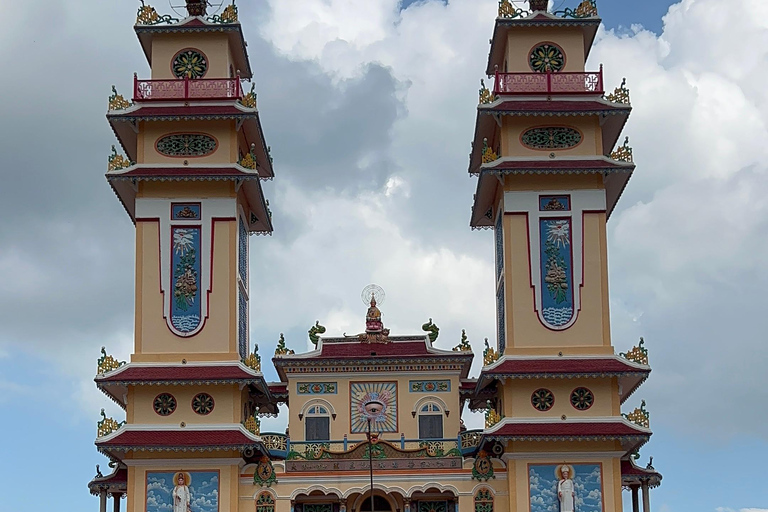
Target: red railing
[549,83]
[187,89]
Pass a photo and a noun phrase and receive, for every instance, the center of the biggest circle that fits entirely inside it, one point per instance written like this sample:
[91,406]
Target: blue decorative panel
[429,386]
[549,491]
[499,246]
[556,271]
[242,324]
[242,252]
[501,335]
[316,388]
[185,211]
[362,393]
[198,491]
[554,203]
[185,269]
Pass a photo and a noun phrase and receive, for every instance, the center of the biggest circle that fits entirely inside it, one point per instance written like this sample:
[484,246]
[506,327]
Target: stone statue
[181,495]
[566,492]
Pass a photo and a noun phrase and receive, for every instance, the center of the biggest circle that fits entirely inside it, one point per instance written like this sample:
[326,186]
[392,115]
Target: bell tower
[190,180]
[191,184]
[549,175]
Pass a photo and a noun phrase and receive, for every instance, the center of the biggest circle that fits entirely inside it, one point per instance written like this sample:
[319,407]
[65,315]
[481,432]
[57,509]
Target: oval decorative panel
[186,145]
[551,137]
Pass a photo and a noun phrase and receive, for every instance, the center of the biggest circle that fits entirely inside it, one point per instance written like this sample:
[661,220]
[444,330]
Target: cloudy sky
[369,109]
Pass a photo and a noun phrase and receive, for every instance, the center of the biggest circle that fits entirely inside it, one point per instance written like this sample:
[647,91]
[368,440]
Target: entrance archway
[380,504]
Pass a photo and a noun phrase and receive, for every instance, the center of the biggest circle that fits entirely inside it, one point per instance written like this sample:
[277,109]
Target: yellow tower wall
[214,46]
[223,131]
[513,128]
[226,408]
[522,40]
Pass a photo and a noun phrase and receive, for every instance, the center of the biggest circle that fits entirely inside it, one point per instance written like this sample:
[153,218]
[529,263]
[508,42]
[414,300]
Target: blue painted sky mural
[587,484]
[203,488]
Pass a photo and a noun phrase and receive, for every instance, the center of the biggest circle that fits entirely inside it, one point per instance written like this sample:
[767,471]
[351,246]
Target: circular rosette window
[546,57]
[551,137]
[542,399]
[202,403]
[189,63]
[164,404]
[582,399]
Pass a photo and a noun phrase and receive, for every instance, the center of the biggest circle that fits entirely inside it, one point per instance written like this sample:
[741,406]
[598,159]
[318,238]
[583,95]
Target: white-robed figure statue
[181,495]
[566,492]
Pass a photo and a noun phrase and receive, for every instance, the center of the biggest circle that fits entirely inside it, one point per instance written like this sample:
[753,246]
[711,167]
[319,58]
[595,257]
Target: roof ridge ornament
[106,363]
[432,329]
[490,355]
[586,9]
[197,7]
[147,15]
[281,349]
[640,416]
[315,331]
[374,327]
[507,10]
[638,354]
[464,345]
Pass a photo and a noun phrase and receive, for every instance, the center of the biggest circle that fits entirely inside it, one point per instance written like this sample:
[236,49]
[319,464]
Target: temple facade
[374,420]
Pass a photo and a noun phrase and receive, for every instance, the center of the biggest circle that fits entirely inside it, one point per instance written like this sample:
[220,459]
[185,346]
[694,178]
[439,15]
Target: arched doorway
[380,504]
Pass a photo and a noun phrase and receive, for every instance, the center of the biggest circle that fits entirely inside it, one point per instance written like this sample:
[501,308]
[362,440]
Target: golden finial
[253,361]
[491,416]
[253,424]
[249,100]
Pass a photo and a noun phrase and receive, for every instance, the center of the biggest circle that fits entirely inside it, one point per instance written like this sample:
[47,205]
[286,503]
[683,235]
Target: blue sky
[384,188]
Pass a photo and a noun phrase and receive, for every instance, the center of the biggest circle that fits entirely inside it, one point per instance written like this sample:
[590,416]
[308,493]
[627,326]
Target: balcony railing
[279,445]
[549,83]
[187,89]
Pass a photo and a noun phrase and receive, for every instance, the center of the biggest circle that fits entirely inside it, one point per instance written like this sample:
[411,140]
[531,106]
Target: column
[635,498]
[103,500]
[116,501]
[646,498]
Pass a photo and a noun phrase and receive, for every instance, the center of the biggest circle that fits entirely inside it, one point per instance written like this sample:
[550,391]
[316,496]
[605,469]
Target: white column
[646,498]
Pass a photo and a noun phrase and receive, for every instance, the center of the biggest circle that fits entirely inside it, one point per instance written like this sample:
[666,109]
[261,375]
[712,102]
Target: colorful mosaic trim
[429,386]
[185,211]
[317,388]
[326,465]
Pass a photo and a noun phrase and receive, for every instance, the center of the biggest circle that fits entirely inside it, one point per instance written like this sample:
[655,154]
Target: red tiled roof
[182,111]
[115,481]
[629,469]
[595,163]
[588,366]
[130,439]
[182,171]
[279,389]
[609,429]
[565,106]
[179,373]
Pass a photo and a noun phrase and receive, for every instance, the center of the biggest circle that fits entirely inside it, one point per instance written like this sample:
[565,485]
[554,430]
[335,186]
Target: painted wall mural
[581,487]
[556,271]
[182,491]
[363,392]
[429,386]
[185,269]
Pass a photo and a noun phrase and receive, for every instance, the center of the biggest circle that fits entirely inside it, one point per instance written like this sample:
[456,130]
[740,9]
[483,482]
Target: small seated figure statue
[373,321]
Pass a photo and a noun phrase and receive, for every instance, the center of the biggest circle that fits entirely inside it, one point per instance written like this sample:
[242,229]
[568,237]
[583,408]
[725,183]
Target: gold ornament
[623,153]
[620,94]
[249,100]
[117,102]
[107,363]
[485,94]
[464,346]
[253,361]
[490,355]
[229,14]
[117,162]
[147,15]
[640,416]
[253,425]
[107,425]
[488,154]
[638,354]
[491,416]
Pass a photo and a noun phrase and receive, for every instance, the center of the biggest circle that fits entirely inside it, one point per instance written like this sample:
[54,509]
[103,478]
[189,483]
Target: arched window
[317,424]
[484,501]
[265,503]
[379,505]
[430,421]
